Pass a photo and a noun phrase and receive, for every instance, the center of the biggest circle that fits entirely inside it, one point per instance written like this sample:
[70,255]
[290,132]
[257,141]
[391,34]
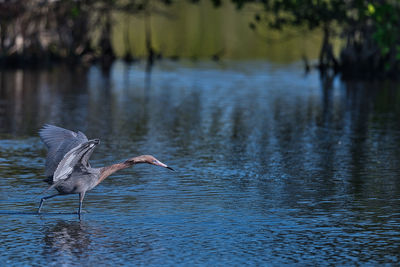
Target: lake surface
[272,166]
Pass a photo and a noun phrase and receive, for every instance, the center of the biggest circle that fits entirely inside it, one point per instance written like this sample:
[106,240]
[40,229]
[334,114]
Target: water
[272,167]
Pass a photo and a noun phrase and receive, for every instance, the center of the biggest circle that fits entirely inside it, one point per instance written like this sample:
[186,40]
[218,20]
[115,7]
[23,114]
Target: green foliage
[386,20]
[312,13]
[75,12]
[370,28]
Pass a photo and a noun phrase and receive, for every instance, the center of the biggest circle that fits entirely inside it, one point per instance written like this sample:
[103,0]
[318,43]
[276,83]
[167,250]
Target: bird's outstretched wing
[59,142]
[76,157]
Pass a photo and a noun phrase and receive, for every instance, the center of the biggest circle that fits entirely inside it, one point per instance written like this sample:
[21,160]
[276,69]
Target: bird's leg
[81,196]
[43,199]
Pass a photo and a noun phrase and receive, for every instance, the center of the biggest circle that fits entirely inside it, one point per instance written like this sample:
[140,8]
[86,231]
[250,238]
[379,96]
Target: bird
[67,167]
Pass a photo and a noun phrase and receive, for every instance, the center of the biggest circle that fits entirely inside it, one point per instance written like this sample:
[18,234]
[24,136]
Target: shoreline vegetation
[37,33]
[367,29]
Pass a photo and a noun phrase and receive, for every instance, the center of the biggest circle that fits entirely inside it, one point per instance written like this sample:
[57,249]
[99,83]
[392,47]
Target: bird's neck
[108,170]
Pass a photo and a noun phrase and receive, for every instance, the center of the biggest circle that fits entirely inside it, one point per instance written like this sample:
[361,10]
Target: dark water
[272,167]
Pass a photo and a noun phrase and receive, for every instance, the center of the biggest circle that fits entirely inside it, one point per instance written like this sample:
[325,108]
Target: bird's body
[79,182]
[67,163]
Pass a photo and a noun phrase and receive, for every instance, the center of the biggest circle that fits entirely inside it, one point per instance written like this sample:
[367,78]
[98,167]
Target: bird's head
[149,159]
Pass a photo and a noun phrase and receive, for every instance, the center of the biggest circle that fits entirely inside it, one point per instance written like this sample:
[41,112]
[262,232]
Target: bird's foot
[82,212]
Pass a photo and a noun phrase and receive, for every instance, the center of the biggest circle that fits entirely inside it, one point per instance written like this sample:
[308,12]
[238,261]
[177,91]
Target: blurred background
[281,119]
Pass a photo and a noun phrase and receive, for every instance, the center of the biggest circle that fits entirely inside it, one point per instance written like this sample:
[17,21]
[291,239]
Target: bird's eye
[154,161]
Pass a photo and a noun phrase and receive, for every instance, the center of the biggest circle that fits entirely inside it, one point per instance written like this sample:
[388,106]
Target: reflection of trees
[239,132]
[187,120]
[317,147]
[28,98]
[329,138]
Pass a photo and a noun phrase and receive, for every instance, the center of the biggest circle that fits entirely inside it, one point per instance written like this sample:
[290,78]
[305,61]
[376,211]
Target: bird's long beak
[159,163]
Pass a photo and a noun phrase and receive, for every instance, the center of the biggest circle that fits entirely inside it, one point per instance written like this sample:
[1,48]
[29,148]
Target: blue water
[272,167]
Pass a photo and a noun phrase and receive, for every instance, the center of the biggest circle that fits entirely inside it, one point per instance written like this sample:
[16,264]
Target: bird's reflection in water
[66,241]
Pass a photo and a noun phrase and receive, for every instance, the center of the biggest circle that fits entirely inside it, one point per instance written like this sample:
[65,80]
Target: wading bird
[67,163]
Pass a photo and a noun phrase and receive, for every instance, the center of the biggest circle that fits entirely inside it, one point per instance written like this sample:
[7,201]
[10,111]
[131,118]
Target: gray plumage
[59,142]
[75,165]
[67,163]
[76,157]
